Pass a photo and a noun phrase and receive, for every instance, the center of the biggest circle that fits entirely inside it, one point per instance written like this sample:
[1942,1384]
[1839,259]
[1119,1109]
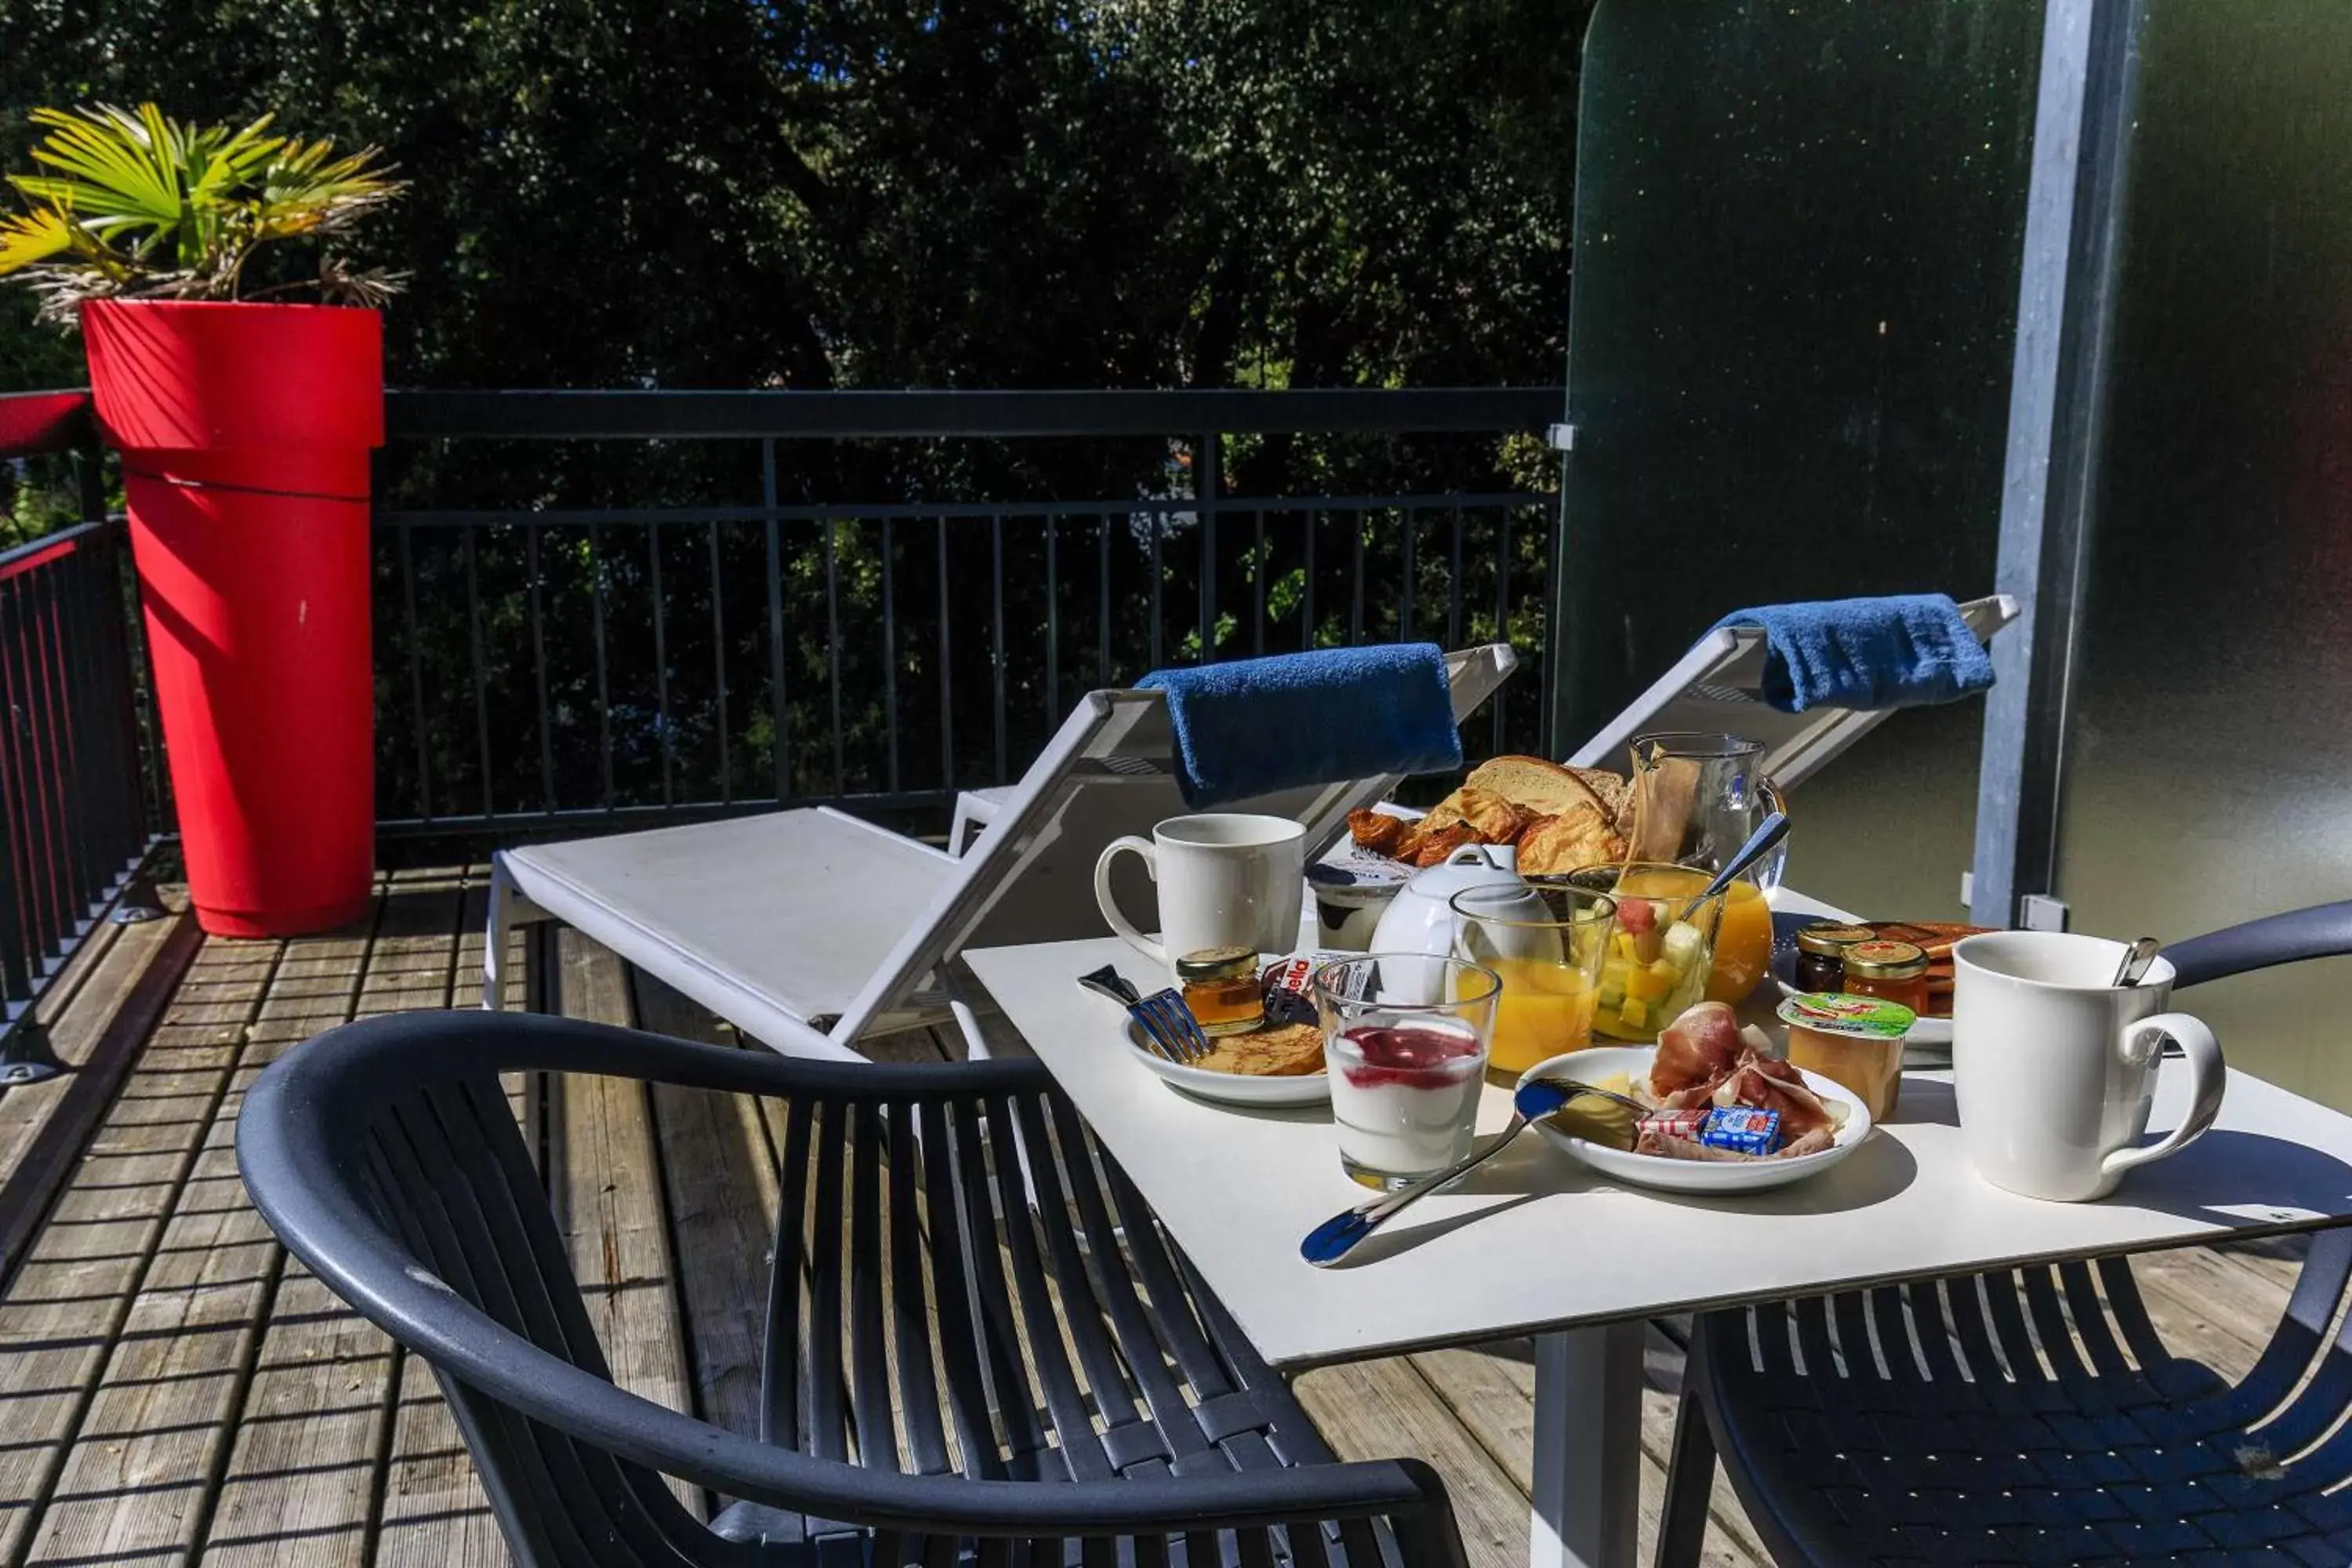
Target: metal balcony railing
[610,607]
[81,787]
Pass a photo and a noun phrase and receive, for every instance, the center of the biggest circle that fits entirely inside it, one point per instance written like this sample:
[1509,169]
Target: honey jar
[1221,988]
[1890,971]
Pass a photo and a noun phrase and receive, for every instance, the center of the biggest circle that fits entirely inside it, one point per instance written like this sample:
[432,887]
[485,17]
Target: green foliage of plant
[137,203]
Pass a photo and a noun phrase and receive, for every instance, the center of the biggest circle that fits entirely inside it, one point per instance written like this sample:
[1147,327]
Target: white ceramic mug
[1224,880]
[2054,1067]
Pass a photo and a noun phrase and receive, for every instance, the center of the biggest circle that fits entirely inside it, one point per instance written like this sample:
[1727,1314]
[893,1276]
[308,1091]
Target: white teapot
[1419,919]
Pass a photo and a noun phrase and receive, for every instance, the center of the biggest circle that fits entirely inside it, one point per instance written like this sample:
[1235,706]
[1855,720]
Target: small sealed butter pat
[1683,1124]
[1741,1130]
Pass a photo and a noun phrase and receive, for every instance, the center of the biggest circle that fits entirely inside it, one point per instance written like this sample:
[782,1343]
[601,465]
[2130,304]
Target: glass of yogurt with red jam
[1404,1040]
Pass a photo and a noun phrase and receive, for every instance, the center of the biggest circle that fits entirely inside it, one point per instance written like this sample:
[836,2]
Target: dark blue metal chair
[2119,1451]
[918,1404]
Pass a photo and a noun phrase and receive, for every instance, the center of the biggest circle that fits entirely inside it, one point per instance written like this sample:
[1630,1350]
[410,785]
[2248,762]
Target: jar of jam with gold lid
[1890,971]
[1221,990]
[1820,953]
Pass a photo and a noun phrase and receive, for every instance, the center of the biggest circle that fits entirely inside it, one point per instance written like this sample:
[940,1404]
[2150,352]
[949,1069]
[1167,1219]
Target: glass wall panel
[2210,760]
[1797,237]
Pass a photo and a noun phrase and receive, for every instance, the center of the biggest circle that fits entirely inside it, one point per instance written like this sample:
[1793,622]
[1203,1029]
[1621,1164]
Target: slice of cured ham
[1698,1047]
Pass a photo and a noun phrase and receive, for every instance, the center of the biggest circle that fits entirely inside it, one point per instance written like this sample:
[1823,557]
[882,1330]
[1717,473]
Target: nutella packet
[1290,985]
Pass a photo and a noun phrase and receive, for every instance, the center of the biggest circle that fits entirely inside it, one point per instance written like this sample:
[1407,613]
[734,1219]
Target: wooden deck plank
[604,1182]
[97,1026]
[434,1513]
[311,1440]
[720,1177]
[67,1306]
[1379,1409]
[142,1480]
[123,1487]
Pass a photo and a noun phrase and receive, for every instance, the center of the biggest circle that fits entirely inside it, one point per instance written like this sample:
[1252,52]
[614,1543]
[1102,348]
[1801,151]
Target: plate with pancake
[1279,1064]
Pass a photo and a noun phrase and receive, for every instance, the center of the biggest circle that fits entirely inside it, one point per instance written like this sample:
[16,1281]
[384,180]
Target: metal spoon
[1769,833]
[2137,958]
[1536,1099]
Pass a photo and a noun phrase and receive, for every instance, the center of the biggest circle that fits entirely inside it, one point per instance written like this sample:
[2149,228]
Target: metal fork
[1167,1023]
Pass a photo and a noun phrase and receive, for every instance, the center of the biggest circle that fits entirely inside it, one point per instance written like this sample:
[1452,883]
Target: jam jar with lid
[1890,971]
[1820,953]
[1221,990]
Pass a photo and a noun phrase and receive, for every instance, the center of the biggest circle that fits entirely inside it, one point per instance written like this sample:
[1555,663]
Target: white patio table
[1535,1244]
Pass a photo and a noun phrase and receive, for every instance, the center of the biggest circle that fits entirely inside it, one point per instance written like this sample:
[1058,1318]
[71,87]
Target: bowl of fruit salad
[1662,950]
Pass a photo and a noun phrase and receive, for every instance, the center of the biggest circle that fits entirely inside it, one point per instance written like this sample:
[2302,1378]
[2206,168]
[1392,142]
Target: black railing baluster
[1356,607]
[60,660]
[1052,628]
[1453,587]
[1160,522]
[996,637]
[481,676]
[779,728]
[539,665]
[663,729]
[41,728]
[604,682]
[946,686]
[1102,615]
[415,674]
[832,647]
[889,656]
[17,959]
[1306,598]
[1206,487]
[719,669]
[24,788]
[1404,632]
[1501,615]
[1258,564]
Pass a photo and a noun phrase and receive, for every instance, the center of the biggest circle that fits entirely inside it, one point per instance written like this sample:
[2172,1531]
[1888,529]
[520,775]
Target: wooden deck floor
[173,1388]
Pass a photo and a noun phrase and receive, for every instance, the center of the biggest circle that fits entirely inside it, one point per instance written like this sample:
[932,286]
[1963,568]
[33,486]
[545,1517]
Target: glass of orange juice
[1546,941]
[1743,943]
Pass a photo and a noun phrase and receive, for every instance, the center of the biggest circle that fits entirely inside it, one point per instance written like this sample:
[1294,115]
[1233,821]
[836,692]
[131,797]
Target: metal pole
[2065,319]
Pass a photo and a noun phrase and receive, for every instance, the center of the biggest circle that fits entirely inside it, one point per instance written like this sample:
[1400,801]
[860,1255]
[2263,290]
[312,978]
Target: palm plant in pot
[243,420]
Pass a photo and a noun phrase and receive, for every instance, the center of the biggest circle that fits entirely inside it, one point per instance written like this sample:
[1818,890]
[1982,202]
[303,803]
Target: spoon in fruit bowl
[1536,1098]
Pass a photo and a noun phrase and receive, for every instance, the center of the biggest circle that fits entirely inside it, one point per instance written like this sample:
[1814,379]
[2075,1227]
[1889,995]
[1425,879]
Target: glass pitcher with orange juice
[1546,941]
[1695,799]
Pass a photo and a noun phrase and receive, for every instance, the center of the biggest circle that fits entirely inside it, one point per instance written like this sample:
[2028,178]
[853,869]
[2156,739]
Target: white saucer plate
[1706,1178]
[1228,1088]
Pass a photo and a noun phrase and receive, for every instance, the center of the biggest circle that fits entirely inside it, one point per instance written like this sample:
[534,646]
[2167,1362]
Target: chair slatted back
[448,1169]
[923,1318]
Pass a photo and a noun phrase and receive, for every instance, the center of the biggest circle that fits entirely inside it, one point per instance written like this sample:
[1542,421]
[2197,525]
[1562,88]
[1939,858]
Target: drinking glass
[1404,1037]
[1546,941]
[1659,958]
[1697,795]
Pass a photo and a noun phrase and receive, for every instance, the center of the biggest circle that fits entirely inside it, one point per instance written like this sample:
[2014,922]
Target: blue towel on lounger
[1904,651]
[1253,725]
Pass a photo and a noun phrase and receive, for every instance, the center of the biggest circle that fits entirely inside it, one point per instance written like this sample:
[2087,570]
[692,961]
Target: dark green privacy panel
[2208,765]
[1796,265]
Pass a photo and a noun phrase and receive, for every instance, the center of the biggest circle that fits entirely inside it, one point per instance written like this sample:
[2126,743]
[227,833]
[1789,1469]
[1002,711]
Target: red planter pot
[244,432]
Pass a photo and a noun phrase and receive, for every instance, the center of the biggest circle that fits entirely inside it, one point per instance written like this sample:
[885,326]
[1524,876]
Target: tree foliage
[991,192]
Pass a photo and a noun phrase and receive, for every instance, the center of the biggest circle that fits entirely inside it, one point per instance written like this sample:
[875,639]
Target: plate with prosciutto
[1721,1113]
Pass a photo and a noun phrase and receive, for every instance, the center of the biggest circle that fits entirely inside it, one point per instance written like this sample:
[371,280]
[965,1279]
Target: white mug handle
[1129,844]
[2141,1042]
